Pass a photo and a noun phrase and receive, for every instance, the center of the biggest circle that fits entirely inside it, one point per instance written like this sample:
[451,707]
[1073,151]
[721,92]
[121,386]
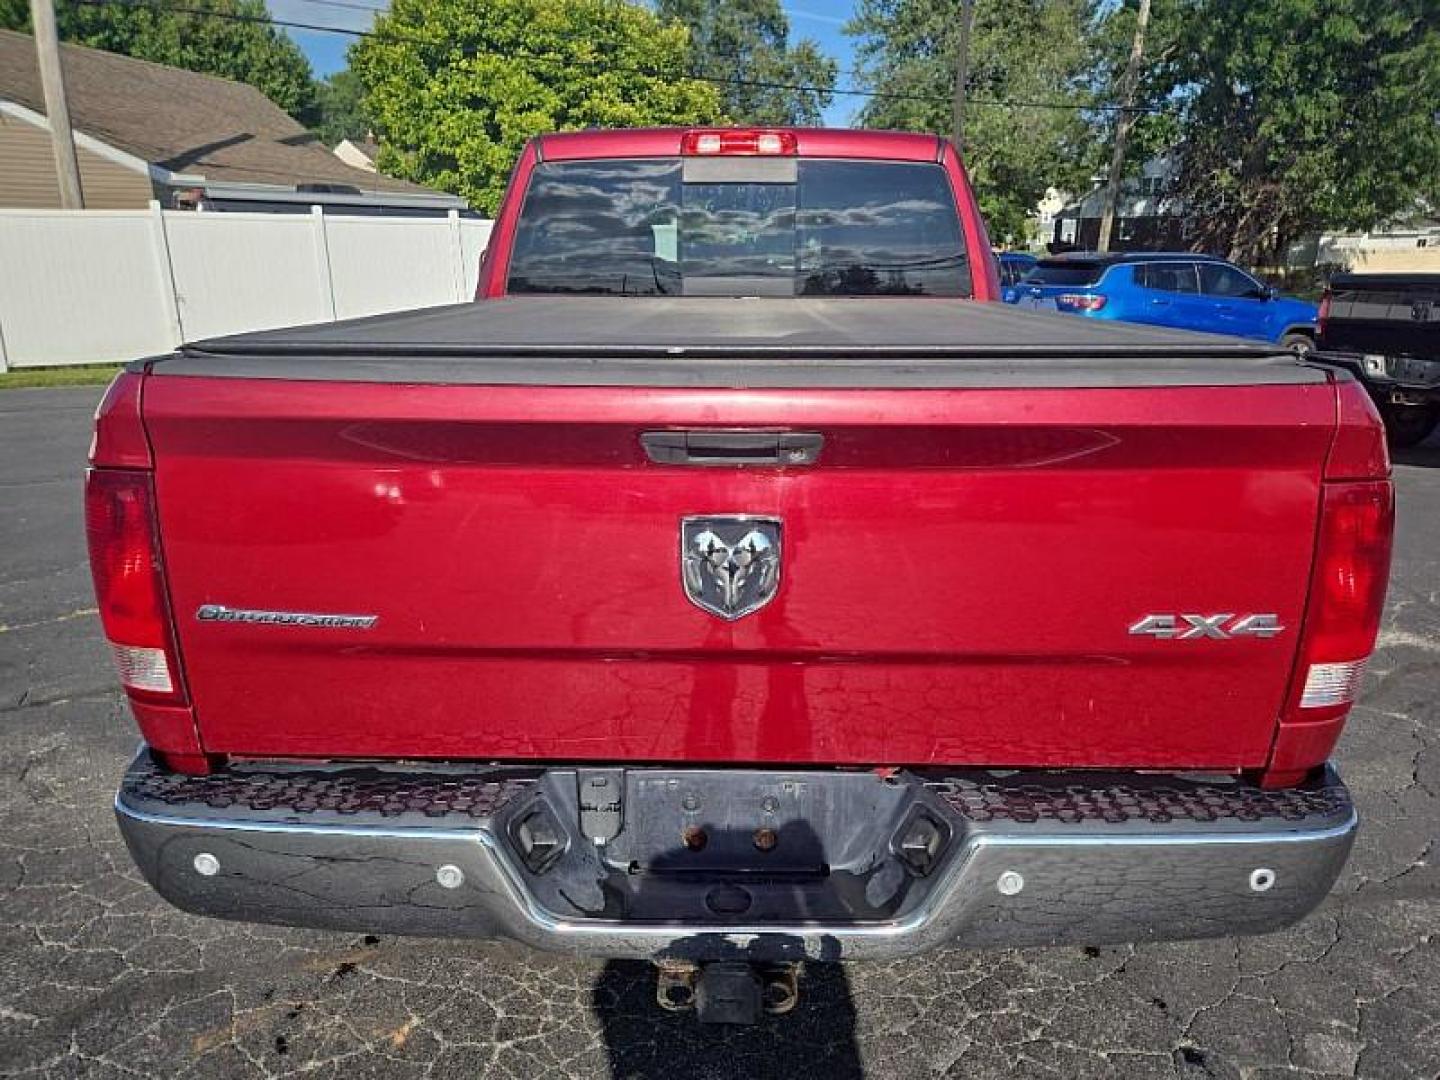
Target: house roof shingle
[182,120]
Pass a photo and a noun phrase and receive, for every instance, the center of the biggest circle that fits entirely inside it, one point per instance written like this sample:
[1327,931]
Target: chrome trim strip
[987,840]
[234,825]
[1335,832]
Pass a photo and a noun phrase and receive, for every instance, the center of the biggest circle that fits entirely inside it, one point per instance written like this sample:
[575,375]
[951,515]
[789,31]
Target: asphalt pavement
[99,977]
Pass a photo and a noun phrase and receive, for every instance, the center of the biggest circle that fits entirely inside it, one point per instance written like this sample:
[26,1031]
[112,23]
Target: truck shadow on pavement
[816,1036]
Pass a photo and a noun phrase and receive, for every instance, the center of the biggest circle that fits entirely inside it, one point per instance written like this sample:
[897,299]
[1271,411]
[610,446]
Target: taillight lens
[1347,597]
[129,588]
[1324,316]
[1080,301]
[749,141]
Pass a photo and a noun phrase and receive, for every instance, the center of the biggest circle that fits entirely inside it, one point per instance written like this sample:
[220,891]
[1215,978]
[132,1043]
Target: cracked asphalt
[99,977]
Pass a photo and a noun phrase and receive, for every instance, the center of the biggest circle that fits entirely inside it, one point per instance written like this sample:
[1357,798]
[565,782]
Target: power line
[346,5]
[350,6]
[759,84]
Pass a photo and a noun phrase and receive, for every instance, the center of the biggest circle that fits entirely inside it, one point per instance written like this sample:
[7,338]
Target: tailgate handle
[732,447]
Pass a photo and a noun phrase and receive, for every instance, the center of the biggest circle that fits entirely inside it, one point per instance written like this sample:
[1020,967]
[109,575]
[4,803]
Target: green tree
[747,41]
[1021,51]
[1303,115]
[247,49]
[455,87]
[339,110]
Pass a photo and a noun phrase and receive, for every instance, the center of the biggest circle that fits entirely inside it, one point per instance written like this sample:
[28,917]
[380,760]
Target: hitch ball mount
[727,991]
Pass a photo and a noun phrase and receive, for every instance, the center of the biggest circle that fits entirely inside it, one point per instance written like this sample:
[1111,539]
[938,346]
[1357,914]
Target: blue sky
[821,20]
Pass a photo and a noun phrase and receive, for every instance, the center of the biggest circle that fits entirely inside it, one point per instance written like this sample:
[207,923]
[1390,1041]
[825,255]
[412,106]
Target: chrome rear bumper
[1023,859]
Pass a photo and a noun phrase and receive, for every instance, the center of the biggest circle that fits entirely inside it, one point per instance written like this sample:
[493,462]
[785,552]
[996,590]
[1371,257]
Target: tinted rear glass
[842,228]
[1065,273]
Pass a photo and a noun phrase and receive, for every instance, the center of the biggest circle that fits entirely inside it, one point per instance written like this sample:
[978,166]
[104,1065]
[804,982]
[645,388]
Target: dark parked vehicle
[1177,289]
[1385,328]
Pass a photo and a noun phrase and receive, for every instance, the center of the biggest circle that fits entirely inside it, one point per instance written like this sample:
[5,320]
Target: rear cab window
[694,227]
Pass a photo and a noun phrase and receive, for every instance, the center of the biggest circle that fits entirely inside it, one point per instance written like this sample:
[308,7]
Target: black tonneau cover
[842,342]
[1386,282]
[1386,314]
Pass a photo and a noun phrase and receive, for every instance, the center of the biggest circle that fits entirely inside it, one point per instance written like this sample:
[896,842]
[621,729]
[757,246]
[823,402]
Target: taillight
[1324,316]
[1347,590]
[751,141]
[125,561]
[1347,595]
[1080,301]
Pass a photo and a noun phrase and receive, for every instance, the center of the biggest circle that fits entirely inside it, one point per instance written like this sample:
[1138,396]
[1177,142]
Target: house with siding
[147,131]
[1147,216]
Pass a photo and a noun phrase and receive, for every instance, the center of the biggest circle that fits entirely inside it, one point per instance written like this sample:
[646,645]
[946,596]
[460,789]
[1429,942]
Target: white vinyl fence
[82,287]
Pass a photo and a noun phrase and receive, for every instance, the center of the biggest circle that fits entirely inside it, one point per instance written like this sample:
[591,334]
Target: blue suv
[1183,290]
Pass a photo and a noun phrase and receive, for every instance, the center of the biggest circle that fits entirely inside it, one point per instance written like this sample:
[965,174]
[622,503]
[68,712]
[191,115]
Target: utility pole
[52,81]
[1126,121]
[962,73]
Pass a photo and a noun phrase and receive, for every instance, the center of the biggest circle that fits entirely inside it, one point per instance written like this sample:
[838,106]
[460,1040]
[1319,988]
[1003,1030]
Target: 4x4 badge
[1220,627]
[730,563]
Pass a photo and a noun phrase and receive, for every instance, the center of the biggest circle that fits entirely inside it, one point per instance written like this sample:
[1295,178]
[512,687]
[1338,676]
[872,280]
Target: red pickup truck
[734,585]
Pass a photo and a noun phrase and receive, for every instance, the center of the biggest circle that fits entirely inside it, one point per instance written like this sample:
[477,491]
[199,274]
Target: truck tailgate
[960,568]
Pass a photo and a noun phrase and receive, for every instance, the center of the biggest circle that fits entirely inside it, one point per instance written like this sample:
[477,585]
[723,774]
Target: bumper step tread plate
[752,865]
